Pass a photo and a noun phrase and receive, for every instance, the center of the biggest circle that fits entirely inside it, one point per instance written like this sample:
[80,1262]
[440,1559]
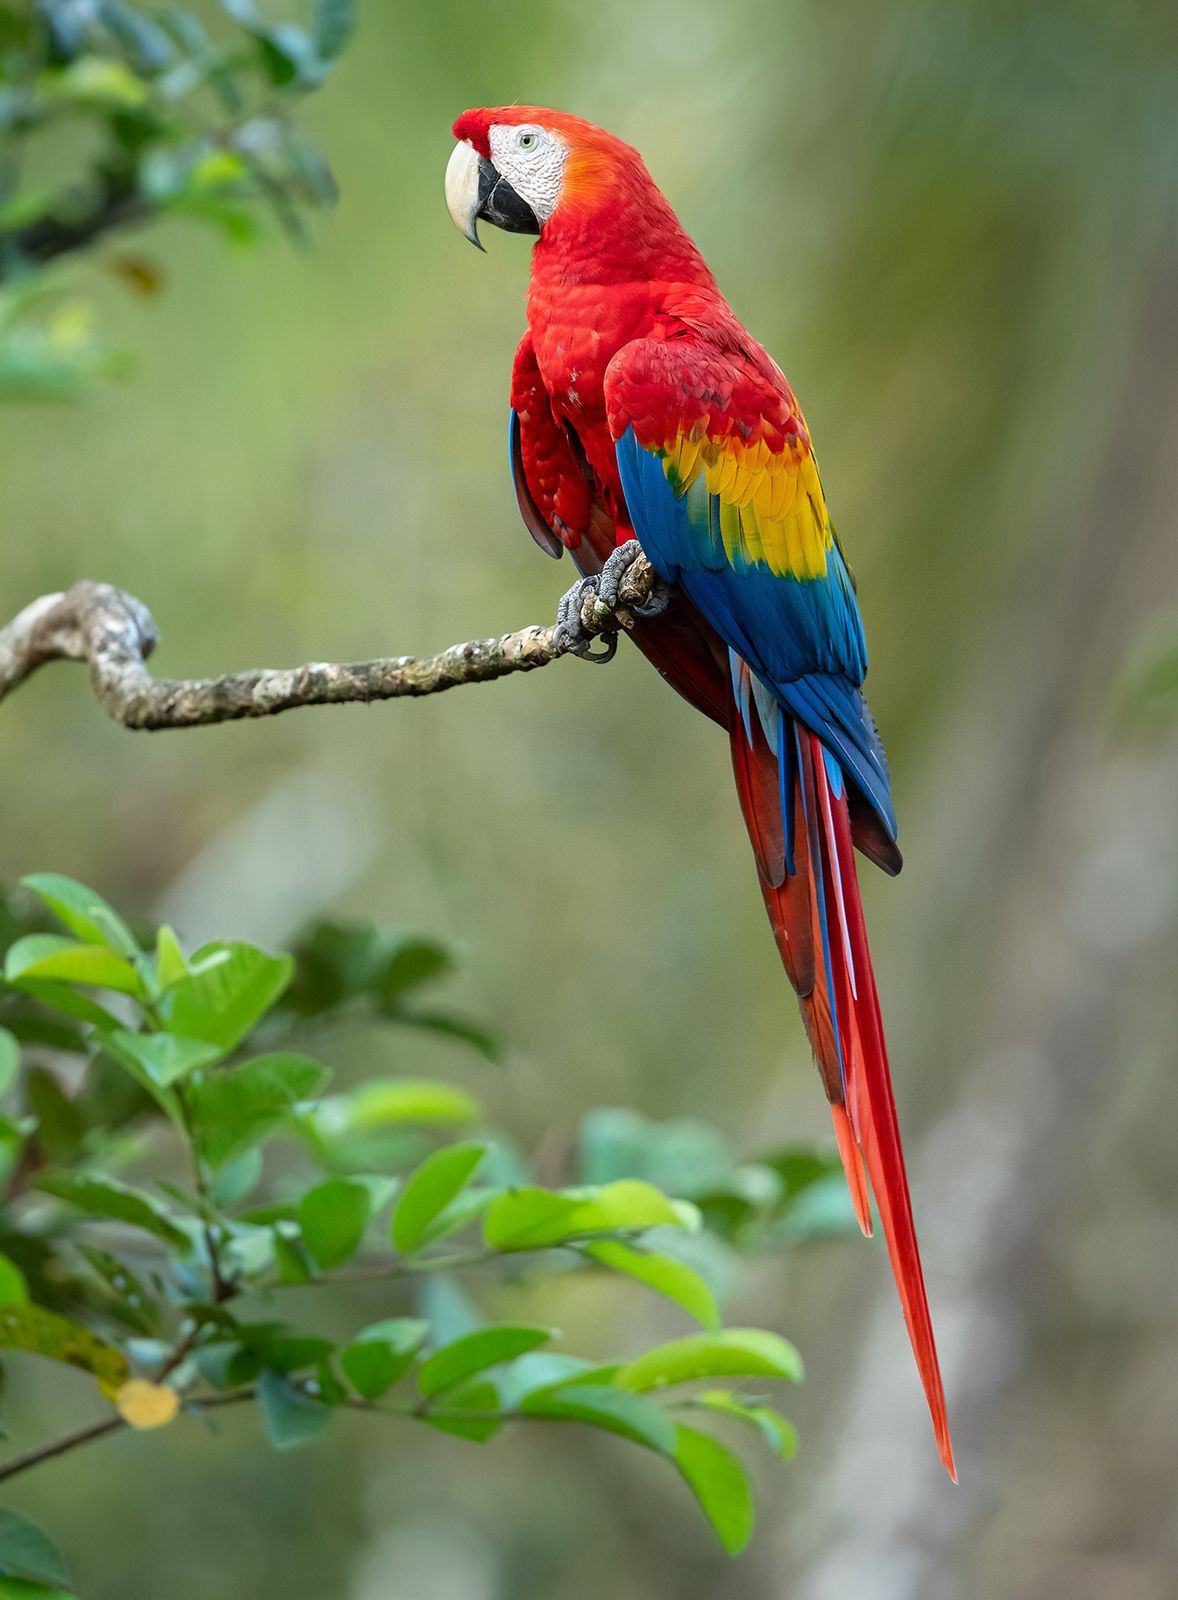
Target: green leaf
[382,1353]
[434,1184]
[9,1060]
[531,1218]
[663,1274]
[541,1369]
[412,962]
[719,1483]
[289,1417]
[61,1123]
[84,913]
[106,1197]
[477,1394]
[468,1206]
[230,989]
[52,956]
[475,1352]
[170,963]
[294,1265]
[26,1589]
[334,23]
[62,998]
[384,1101]
[778,1433]
[733,1352]
[134,1306]
[332,1218]
[26,1552]
[162,1058]
[237,1107]
[629,1415]
[454,1027]
[237,1179]
[14,1291]
[44,1333]
[97,81]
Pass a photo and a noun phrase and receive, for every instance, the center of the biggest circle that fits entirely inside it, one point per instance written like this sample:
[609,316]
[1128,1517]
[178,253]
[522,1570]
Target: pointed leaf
[719,1483]
[14,1291]
[62,998]
[379,1355]
[332,1218]
[733,1352]
[475,1352]
[223,1001]
[44,1333]
[237,1107]
[84,913]
[430,1188]
[52,957]
[601,1406]
[384,1101]
[26,1552]
[530,1218]
[290,1417]
[170,964]
[9,1060]
[476,1394]
[162,1058]
[106,1197]
[663,1274]
[778,1433]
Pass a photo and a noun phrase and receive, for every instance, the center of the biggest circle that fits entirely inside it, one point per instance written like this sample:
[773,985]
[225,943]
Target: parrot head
[520,166]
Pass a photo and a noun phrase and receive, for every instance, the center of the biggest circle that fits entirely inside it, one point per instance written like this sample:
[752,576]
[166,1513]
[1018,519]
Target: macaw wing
[726,501]
[563,506]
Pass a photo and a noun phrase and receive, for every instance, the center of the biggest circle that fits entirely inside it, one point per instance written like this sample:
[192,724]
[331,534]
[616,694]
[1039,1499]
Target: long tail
[796,809]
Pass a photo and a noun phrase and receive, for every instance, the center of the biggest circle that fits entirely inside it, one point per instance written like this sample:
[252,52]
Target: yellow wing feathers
[771,506]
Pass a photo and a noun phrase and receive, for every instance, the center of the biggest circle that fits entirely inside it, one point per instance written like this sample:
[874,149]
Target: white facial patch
[532,160]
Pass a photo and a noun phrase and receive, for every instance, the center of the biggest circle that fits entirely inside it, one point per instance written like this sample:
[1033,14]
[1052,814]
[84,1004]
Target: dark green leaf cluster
[113,114]
[172,1162]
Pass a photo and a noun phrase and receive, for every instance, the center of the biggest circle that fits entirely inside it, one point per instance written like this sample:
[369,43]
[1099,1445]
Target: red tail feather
[857,1079]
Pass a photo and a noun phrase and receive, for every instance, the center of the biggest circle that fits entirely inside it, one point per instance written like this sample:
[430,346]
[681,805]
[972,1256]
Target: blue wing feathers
[802,638]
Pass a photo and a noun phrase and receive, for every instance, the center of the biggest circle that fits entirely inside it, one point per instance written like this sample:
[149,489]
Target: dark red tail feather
[817,921]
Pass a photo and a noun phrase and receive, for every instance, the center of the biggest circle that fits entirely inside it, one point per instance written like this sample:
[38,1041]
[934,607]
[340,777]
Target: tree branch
[115,633]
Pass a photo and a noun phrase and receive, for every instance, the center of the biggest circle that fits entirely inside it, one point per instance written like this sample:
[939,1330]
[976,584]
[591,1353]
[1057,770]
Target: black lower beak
[499,203]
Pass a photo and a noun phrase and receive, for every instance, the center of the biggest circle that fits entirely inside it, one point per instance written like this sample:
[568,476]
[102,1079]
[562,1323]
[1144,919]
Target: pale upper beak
[475,188]
[462,189]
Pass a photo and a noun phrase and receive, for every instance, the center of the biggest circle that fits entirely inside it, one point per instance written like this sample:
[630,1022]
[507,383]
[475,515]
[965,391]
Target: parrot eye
[527,140]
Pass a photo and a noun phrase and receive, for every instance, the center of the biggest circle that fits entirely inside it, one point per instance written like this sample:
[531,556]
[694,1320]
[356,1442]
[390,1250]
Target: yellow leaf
[147,1405]
[44,1333]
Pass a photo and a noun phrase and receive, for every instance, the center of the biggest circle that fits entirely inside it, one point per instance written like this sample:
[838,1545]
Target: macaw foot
[598,597]
[571,633]
[615,569]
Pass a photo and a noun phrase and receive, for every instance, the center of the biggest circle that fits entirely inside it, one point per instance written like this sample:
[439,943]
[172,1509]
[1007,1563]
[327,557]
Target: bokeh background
[955,227]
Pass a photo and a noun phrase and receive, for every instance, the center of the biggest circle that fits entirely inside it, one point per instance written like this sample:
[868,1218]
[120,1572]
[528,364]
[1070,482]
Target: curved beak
[474,189]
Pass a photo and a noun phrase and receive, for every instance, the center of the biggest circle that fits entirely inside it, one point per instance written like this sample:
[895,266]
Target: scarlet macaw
[642,410]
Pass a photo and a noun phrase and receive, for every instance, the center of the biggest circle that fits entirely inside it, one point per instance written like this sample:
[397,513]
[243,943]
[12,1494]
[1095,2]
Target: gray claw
[570,628]
[617,564]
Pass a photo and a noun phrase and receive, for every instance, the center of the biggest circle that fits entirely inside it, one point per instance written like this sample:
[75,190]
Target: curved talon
[660,599]
[608,642]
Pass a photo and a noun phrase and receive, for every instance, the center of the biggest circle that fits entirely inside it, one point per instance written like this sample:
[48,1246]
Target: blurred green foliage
[151,114]
[143,1061]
